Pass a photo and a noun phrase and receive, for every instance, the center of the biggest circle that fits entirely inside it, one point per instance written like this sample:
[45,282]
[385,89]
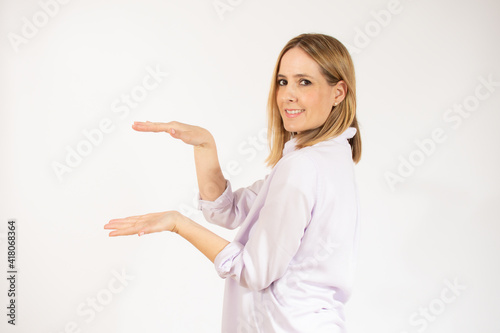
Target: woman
[290,265]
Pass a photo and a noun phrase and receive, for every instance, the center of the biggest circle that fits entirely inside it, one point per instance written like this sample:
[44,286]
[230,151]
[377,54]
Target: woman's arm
[211,181]
[231,208]
[203,239]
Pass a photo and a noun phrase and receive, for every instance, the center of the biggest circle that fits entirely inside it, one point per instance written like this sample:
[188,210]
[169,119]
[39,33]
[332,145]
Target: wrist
[180,220]
[208,142]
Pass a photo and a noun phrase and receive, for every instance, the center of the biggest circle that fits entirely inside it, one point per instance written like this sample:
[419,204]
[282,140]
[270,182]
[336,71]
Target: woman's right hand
[192,135]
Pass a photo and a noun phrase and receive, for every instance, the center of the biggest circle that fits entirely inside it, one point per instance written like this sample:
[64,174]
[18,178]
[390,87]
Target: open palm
[143,224]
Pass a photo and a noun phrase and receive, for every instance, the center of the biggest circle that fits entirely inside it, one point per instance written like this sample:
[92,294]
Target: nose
[289,95]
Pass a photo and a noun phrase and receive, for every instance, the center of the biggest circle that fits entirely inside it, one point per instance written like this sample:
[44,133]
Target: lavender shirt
[290,266]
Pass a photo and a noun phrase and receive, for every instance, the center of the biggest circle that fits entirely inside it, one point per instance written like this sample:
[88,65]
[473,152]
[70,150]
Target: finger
[128,232]
[149,126]
[118,225]
[123,232]
[117,233]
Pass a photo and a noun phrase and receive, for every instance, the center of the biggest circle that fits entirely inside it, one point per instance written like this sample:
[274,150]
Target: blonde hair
[336,65]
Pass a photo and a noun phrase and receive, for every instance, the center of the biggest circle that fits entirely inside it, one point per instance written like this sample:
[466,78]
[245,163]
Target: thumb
[174,133]
[179,132]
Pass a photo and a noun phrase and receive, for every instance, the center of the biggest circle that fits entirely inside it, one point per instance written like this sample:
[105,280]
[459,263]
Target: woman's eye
[282,82]
[305,82]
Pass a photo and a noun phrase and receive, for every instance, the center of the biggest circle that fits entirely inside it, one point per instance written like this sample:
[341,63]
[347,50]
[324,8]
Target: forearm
[211,181]
[203,239]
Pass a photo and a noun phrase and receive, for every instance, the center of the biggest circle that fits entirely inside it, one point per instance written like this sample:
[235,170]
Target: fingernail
[173,131]
[141,233]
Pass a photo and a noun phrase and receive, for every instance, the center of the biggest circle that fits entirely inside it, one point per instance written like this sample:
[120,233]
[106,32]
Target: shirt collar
[347,134]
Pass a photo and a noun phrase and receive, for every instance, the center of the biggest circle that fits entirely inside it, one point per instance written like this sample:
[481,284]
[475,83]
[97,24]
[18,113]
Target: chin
[293,128]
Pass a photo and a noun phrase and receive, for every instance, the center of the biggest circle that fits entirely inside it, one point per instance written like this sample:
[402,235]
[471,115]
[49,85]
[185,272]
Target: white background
[438,225]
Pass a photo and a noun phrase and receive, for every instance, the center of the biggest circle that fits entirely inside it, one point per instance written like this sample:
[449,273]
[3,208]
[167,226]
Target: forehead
[297,61]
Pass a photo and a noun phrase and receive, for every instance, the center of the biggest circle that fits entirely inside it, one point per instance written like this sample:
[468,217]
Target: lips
[292,113]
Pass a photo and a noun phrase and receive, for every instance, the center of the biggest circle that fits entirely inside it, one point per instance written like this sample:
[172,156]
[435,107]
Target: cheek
[278,96]
[324,102]
[316,101]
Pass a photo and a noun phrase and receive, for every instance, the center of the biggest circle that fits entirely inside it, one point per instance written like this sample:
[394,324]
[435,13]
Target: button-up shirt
[290,267]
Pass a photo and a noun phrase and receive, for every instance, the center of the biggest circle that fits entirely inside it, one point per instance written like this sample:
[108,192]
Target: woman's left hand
[144,224]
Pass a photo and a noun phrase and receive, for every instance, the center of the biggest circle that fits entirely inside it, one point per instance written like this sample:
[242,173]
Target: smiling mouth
[294,111]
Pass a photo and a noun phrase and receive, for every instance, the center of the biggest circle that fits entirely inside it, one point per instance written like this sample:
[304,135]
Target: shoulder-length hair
[336,65]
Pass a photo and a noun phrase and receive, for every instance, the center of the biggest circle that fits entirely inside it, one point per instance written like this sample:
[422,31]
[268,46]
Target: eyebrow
[297,75]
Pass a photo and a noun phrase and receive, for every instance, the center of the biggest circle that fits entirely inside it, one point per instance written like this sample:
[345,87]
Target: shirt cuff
[223,262]
[222,201]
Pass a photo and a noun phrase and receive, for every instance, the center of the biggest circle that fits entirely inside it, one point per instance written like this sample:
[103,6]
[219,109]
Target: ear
[340,91]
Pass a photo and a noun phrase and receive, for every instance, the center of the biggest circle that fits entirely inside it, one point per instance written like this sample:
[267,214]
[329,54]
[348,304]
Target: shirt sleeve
[230,209]
[276,235]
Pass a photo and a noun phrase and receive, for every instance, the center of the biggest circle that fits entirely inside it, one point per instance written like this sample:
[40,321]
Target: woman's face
[304,97]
